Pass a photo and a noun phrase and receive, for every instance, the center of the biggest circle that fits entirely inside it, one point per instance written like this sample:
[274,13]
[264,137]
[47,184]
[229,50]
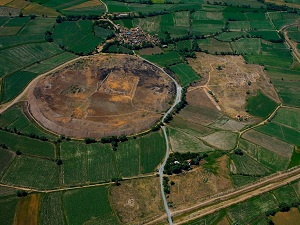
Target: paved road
[161,169]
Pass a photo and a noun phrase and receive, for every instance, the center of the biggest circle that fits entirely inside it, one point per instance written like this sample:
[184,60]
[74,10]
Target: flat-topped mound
[101,96]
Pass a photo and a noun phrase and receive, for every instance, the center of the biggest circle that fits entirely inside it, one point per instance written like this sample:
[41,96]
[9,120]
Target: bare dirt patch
[138,200]
[199,183]
[28,210]
[150,51]
[101,96]
[230,79]
[287,218]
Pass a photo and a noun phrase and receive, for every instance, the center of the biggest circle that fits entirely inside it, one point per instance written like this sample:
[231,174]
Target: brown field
[287,218]
[8,11]
[229,77]
[273,144]
[4,2]
[36,9]
[198,183]
[19,4]
[28,210]
[101,96]
[90,3]
[138,200]
[150,51]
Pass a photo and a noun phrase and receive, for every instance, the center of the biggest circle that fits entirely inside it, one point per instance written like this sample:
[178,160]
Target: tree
[284,207]
[123,138]
[238,152]
[59,162]
[21,193]
[89,140]
[18,152]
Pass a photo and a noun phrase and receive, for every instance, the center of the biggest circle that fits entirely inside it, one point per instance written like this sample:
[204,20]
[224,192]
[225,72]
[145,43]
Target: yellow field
[36,9]
[89,3]
[4,2]
[19,4]
[287,218]
[28,210]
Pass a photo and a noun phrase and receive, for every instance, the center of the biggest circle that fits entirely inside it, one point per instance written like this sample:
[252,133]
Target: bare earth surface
[100,96]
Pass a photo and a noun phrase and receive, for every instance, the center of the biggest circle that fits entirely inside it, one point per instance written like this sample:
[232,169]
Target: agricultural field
[8,208]
[51,209]
[89,205]
[164,59]
[287,218]
[223,140]
[15,117]
[32,172]
[214,46]
[6,158]
[185,74]
[260,105]
[76,36]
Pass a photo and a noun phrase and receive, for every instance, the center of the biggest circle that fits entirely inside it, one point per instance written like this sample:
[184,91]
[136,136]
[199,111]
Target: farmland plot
[185,73]
[213,45]
[27,145]
[6,158]
[271,143]
[88,206]
[87,163]
[288,117]
[285,194]
[164,59]
[8,207]
[224,140]
[51,210]
[32,172]
[246,45]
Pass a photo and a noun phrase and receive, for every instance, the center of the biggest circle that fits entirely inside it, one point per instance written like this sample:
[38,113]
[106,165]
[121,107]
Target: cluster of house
[136,37]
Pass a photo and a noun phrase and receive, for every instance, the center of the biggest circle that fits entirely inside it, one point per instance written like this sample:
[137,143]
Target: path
[218,202]
[290,43]
[161,169]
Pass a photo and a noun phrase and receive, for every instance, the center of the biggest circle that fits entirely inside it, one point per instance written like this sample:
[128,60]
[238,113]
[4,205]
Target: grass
[164,59]
[87,163]
[260,105]
[8,207]
[185,74]
[32,172]
[27,145]
[6,158]
[51,209]
[14,84]
[88,206]
[245,165]
[18,57]
[14,117]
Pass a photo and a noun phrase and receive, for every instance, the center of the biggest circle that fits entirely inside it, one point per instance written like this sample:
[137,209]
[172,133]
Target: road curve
[161,169]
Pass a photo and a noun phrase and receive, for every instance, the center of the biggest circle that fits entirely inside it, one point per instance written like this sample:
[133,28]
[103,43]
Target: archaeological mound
[101,96]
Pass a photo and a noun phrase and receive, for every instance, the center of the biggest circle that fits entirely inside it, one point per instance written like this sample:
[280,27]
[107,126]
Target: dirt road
[290,43]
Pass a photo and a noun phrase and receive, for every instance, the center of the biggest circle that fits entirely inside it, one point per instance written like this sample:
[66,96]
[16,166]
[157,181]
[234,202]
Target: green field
[230,36]
[51,209]
[14,117]
[164,59]
[260,105]
[14,84]
[51,63]
[285,194]
[18,57]
[76,36]
[6,158]
[289,117]
[267,35]
[247,46]
[241,180]
[214,46]
[295,159]
[88,206]
[27,145]
[281,132]
[87,163]
[8,207]
[245,165]
[32,172]
[185,73]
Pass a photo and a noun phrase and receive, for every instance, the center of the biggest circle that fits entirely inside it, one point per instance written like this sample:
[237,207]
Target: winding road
[161,169]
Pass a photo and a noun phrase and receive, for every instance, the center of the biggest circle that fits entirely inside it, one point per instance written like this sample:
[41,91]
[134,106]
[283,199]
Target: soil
[137,201]
[230,79]
[27,210]
[101,96]
[191,187]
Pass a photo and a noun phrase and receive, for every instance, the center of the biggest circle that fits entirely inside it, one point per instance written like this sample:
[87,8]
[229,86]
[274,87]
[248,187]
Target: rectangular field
[164,59]
[32,172]
[88,206]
